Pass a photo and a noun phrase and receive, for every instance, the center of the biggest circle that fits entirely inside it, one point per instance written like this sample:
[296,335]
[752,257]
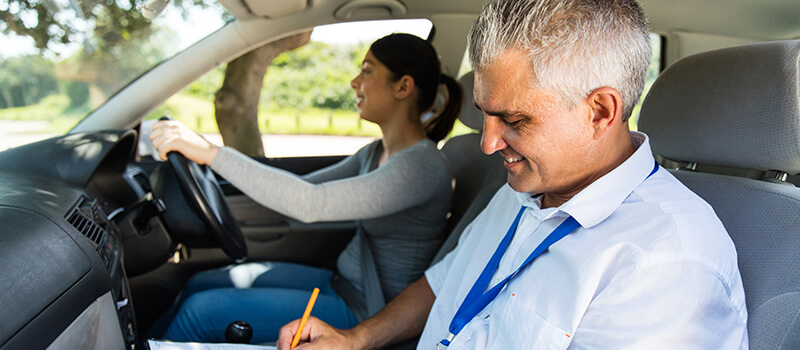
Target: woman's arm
[408,179]
[345,168]
[171,135]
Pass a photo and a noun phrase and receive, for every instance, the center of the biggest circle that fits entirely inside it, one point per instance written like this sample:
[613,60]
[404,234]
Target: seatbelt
[373,292]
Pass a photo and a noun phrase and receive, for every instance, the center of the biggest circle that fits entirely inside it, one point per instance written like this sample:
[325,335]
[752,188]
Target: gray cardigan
[402,205]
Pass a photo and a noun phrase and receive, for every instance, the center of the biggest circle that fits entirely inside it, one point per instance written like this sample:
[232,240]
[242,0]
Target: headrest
[734,107]
[470,116]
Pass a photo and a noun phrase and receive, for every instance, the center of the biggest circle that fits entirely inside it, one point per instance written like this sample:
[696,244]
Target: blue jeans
[266,295]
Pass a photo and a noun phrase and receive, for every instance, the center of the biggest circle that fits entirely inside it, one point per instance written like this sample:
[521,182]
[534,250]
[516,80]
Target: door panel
[273,236]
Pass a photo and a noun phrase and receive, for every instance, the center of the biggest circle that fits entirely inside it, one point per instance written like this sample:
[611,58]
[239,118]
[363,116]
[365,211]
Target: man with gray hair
[590,244]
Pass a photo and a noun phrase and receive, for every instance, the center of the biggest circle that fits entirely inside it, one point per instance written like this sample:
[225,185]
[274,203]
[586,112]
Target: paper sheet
[168,345]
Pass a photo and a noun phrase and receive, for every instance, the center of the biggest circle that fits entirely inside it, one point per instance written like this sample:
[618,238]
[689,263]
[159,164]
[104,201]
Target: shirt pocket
[518,326]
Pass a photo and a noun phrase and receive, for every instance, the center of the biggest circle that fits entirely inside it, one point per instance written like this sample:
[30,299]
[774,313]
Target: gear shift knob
[238,332]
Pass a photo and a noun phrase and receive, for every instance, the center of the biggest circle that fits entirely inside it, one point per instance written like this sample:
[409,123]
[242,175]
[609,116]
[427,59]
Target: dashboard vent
[84,219]
[143,181]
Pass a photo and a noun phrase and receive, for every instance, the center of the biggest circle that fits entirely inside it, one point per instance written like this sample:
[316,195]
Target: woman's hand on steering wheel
[183,149]
[172,135]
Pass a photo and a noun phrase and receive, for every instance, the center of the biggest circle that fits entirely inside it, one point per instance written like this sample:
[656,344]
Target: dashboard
[68,206]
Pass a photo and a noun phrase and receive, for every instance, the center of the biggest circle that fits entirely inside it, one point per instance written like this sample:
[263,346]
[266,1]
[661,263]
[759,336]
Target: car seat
[477,176]
[729,112]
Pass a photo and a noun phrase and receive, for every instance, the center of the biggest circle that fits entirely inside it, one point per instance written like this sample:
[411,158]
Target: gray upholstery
[470,115]
[741,104]
[477,175]
[738,107]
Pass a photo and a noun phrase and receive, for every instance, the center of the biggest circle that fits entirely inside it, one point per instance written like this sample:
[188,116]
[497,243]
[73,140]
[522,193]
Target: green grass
[54,109]
[198,114]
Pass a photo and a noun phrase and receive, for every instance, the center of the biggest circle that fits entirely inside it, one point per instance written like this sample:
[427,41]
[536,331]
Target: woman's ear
[404,87]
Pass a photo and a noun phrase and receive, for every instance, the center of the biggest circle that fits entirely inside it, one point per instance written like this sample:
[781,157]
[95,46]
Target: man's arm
[401,319]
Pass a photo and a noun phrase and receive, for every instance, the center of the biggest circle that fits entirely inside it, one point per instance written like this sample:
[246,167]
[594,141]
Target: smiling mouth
[512,160]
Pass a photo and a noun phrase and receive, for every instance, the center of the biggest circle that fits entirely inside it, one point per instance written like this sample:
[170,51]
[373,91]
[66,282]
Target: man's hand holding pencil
[309,329]
[315,335]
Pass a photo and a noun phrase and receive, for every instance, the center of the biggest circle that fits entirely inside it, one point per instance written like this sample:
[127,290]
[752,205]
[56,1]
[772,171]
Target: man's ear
[607,109]
[404,87]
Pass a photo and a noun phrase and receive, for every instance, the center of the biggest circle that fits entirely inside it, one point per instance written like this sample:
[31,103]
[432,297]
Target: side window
[652,73]
[307,107]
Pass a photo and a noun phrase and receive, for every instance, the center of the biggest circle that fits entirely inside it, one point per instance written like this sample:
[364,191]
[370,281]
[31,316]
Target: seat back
[477,176]
[472,198]
[721,112]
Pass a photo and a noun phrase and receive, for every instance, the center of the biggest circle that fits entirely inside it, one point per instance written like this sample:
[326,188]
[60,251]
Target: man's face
[546,147]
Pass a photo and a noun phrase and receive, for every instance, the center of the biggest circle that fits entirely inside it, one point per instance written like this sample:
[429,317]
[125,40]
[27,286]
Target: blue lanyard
[476,299]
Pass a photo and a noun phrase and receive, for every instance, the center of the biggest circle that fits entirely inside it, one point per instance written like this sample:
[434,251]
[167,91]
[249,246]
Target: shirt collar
[601,198]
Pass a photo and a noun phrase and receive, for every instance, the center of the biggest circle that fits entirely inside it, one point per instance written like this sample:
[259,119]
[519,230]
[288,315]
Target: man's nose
[492,138]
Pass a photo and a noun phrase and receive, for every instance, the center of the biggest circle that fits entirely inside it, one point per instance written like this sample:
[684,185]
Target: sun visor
[370,8]
[275,9]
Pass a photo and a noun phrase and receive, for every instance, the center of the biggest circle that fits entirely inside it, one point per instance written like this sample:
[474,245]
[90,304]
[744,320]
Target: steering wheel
[201,190]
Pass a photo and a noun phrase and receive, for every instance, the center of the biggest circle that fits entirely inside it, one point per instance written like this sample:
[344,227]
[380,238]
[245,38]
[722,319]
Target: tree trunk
[9,103]
[236,102]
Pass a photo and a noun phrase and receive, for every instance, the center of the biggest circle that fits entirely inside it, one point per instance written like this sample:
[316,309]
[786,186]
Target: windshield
[63,58]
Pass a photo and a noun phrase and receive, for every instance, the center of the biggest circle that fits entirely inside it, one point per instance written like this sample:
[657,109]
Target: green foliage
[54,109]
[77,92]
[51,23]
[116,42]
[652,73]
[25,80]
[316,75]
[207,85]
[56,24]
[306,91]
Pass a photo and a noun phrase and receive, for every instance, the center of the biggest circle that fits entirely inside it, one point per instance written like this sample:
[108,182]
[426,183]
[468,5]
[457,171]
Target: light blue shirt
[650,267]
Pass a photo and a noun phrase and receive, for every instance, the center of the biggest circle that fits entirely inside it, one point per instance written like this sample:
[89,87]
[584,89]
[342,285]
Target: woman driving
[397,188]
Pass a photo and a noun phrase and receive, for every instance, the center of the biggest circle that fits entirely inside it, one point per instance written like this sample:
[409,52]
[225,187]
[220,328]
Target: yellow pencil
[303,320]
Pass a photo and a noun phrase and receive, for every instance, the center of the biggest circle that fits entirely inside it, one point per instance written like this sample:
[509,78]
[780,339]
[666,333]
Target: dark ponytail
[406,54]
[438,127]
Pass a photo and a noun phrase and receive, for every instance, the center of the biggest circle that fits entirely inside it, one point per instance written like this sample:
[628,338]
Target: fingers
[162,136]
[315,335]
[170,135]
[286,334]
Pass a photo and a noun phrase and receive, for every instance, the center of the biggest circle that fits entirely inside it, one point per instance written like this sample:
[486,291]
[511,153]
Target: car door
[273,236]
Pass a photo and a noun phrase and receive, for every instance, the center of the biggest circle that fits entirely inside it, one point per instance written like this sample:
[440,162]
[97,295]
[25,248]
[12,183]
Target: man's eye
[514,122]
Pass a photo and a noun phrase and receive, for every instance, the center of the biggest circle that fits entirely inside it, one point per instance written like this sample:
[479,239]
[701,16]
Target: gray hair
[574,46]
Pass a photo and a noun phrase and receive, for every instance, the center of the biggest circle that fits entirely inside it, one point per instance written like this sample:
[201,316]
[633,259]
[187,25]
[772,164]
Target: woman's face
[375,92]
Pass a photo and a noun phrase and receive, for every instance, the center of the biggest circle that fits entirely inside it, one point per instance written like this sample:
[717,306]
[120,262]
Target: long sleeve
[345,168]
[402,180]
